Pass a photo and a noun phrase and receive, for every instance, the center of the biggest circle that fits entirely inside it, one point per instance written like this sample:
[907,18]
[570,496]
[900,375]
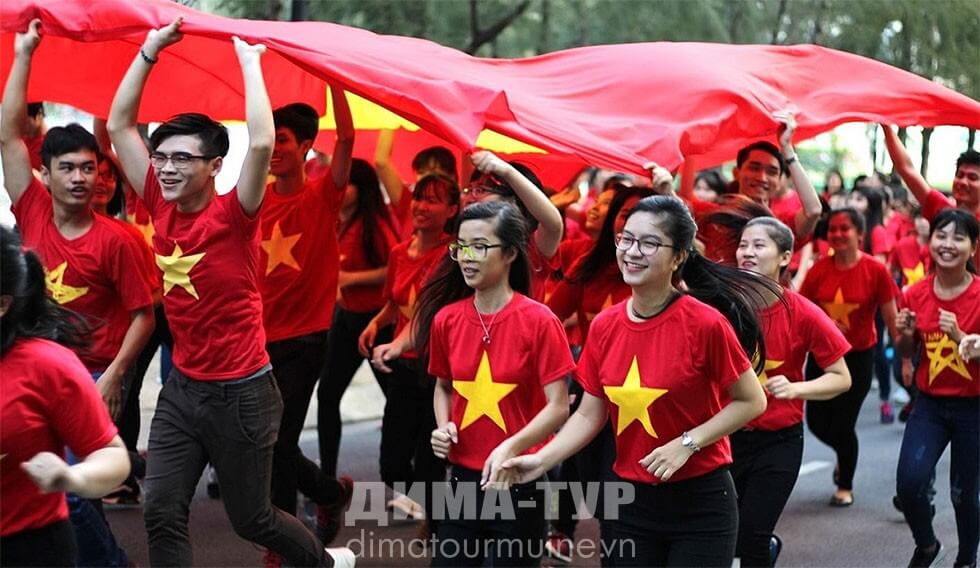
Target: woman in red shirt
[366,234]
[48,401]
[850,286]
[768,451]
[671,423]
[937,315]
[500,360]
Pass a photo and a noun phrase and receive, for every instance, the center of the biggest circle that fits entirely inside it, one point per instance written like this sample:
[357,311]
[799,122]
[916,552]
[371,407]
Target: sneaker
[343,557]
[903,414]
[900,396]
[922,559]
[407,507]
[775,547]
[887,416]
[271,560]
[559,547]
[328,517]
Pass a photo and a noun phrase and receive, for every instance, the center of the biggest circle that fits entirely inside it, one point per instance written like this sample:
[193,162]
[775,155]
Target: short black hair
[440,156]
[969,158]
[212,134]
[62,140]
[300,118]
[767,147]
[33,109]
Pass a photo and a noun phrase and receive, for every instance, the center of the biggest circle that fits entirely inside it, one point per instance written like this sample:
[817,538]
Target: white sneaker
[406,505]
[899,396]
[343,557]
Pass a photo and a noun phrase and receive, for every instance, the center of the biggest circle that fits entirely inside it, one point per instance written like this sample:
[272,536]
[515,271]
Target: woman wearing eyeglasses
[660,364]
[408,419]
[500,359]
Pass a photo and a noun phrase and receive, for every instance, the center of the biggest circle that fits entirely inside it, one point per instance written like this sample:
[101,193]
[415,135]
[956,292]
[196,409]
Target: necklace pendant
[486,338]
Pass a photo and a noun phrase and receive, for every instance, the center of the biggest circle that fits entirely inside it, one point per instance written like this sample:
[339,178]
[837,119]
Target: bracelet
[790,160]
[688,442]
[147,58]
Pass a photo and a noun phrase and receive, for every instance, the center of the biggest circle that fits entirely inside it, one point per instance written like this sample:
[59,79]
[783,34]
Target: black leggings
[51,545]
[833,421]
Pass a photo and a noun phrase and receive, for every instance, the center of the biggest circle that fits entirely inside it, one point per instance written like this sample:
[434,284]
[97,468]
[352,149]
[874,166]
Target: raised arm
[809,215]
[343,149]
[550,225]
[17,173]
[123,132]
[386,170]
[917,184]
[261,128]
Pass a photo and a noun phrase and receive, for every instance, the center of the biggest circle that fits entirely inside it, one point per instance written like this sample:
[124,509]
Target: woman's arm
[95,476]
[836,378]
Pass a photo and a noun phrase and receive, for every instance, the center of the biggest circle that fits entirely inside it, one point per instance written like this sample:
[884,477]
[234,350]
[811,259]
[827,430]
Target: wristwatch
[688,442]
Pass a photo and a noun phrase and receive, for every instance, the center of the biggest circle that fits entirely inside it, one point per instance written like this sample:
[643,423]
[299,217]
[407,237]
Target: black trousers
[693,522]
[51,545]
[765,467]
[342,362]
[517,541]
[296,363]
[833,421]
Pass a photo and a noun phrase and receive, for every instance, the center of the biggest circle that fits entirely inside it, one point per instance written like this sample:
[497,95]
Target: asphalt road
[869,534]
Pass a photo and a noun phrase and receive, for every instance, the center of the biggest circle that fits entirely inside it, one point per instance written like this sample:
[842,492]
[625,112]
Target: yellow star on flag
[633,400]
[61,292]
[176,270]
[605,306]
[839,310]
[913,275]
[938,361]
[482,395]
[408,310]
[279,248]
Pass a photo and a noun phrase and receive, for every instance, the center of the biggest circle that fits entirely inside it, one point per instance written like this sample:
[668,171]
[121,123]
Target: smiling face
[966,187]
[597,213]
[950,249]
[185,185]
[758,177]
[431,210]
[758,252]
[105,185]
[654,270]
[842,234]
[71,178]
[289,155]
[483,272]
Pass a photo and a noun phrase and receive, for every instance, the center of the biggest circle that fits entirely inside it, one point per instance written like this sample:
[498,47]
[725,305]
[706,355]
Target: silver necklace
[486,328]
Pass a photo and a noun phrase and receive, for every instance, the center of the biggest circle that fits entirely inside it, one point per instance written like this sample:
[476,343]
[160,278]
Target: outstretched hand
[157,40]
[488,163]
[247,52]
[25,43]
[787,126]
[660,179]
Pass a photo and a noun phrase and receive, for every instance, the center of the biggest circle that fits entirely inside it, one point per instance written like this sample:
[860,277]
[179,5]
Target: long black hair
[737,294]
[446,285]
[32,313]
[874,215]
[603,251]
[964,223]
[372,211]
[722,229]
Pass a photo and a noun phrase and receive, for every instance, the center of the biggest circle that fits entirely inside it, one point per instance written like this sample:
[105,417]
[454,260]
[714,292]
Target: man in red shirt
[34,131]
[298,273]
[221,403]
[89,261]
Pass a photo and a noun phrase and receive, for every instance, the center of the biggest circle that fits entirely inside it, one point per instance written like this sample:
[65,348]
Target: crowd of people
[675,341]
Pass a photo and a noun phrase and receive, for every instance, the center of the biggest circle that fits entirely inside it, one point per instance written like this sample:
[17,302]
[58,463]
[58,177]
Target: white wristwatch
[688,442]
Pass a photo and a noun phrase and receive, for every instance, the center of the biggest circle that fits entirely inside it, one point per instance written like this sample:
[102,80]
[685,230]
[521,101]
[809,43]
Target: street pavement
[869,534]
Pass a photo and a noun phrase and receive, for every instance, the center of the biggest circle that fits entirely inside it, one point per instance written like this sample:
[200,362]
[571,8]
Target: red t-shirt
[910,260]
[98,274]
[899,226]
[139,217]
[405,279]
[362,299]
[34,144]
[588,299]
[941,370]
[149,266]
[936,202]
[48,401]
[541,269]
[881,243]
[851,297]
[498,387]
[660,378]
[210,263]
[787,206]
[298,259]
[793,328]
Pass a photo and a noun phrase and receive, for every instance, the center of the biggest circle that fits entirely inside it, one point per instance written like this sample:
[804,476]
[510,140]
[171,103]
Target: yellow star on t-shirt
[913,275]
[145,229]
[605,306]
[633,400]
[939,361]
[176,270]
[482,395]
[839,310]
[279,248]
[770,365]
[61,292]
[408,310]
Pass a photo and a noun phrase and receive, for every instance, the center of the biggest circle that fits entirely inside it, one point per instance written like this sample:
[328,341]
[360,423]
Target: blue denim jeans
[935,423]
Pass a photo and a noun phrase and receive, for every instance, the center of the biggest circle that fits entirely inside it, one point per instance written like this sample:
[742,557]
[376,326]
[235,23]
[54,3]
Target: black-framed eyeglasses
[180,160]
[475,251]
[646,247]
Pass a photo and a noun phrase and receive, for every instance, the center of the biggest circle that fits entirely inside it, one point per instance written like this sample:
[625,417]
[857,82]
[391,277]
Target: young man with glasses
[221,403]
[88,262]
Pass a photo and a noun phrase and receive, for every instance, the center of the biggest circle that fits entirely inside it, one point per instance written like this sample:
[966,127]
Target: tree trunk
[734,19]
[581,11]
[926,136]
[545,27]
[779,22]
[817,30]
[479,37]
[971,137]
[300,11]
